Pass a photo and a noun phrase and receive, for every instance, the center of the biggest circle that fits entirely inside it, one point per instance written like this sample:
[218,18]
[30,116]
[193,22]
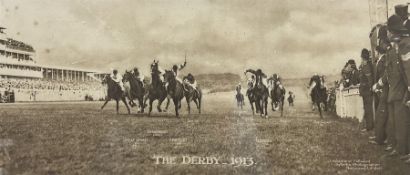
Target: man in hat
[381,116]
[398,112]
[350,73]
[404,61]
[401,10]
[366,82]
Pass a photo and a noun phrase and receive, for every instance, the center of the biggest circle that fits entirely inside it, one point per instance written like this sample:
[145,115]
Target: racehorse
[134,90]
[277,96]
[252,98]
[174,89]
[240,101]
[193,95]
[261,94]
[318,94]
[114,92]
[156,90]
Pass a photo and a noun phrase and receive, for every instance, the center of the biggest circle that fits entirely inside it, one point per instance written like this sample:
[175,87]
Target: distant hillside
[218,82]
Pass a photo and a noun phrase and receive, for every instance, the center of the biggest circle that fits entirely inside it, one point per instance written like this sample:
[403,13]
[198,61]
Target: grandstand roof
[70,68]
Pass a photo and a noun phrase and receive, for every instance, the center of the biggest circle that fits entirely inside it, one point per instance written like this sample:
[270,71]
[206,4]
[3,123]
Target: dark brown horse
[134,90]
[318,93]
[252,99]
[193,95]
[175,89]
[262,95]
[114,92]
[277,95]
[156,90]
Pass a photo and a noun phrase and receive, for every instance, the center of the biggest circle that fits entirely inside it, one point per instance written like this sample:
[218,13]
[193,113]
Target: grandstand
[22,79]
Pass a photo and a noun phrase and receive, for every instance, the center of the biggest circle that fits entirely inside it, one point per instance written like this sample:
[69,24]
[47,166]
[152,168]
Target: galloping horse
[262,95]
[277,95]
[240,100]
[156,90]
[175,90]
[318,93]
[252,98]
[114,92]
[134,90]
[193,95]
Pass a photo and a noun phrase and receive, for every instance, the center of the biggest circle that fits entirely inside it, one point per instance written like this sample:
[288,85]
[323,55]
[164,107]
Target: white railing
[25,95]
[349,103]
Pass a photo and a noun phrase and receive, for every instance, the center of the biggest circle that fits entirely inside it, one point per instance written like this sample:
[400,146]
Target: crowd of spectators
[350,74]
[14,44]
[41,84]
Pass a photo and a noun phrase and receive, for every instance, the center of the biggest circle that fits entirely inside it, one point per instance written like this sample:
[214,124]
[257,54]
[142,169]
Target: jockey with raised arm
[259,76]
[176,68]
[117,78]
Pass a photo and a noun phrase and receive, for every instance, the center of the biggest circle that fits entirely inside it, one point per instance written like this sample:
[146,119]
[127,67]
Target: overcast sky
[293,38]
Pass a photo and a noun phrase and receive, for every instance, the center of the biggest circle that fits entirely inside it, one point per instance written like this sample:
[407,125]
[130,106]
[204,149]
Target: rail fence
[349,103]
[24,95]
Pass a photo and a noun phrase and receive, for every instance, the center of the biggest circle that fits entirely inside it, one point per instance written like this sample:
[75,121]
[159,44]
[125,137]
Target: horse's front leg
[166,107]
[150,106]
[272,104]
[105,103]
[159,105]
[188,100]
[176,104]
[126,105]
[253,109]
[141,104]
[117,107]
[197,104]
[266,107]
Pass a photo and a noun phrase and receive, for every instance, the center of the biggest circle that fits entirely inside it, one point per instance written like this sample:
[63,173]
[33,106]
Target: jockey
[260,76]
[190,80]
[176,68]
[117,78]
[274,81]
[252,81]
[316,79]
[238,88]
[140,77]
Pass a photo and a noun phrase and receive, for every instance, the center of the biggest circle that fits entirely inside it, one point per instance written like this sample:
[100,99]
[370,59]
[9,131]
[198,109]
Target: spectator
[366,82]
[350,74]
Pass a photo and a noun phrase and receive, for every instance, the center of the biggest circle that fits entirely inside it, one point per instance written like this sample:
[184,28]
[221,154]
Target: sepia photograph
[218,87]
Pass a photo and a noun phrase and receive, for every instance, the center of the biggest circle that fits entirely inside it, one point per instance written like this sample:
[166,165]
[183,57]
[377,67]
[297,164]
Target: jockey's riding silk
[118,79]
